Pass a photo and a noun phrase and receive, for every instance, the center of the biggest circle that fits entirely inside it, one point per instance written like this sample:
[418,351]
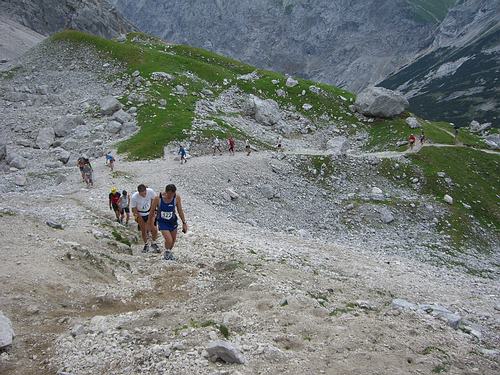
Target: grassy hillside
[474,174]
[209,71]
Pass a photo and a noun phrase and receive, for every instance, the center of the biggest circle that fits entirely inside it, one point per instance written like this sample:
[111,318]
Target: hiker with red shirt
[230,143]
[114,200]
[411,141]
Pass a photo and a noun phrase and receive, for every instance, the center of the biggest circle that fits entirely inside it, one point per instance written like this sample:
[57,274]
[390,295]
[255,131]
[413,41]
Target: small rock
[20,180]
[290,82]
[224,351]
[54,225]
[413,122]
[113,127]
[386,216]
[77,330]
[448,199]
[267,191]
[377,191]
[121,116]
[402,304]
[109,105]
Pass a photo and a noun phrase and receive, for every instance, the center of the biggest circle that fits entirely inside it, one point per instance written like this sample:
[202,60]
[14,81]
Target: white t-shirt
[143,204]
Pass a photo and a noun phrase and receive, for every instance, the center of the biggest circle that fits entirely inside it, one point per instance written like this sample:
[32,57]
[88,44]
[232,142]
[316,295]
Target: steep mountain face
[457,77]
[48,16]
[350,43]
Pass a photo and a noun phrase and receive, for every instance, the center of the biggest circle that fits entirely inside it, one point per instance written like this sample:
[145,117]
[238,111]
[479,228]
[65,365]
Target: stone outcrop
[380,102]
[49,16]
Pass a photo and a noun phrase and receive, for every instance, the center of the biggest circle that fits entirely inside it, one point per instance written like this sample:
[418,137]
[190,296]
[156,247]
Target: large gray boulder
[380,102]
[224,351]
[476,127]
[45,138]
[266,112]
[109,105]
[6,331]
[492,140]
[67,124]
[337,146]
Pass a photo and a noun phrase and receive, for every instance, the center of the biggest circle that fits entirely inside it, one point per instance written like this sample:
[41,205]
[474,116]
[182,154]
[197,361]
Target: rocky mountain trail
[322,258]
[273,296]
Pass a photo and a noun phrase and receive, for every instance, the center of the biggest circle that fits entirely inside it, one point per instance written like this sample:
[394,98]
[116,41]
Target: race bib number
[166,215]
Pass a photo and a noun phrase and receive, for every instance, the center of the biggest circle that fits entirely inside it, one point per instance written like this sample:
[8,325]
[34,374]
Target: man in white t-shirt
[141,203]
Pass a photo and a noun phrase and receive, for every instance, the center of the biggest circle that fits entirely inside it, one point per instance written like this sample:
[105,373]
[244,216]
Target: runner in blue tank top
[168,203]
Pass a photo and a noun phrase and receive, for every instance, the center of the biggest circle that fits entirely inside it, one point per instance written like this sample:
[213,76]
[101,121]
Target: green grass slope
[475,174]
[211,71]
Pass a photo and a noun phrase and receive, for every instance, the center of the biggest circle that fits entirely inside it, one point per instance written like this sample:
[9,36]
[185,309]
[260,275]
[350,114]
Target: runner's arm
[154,204]
[180,211]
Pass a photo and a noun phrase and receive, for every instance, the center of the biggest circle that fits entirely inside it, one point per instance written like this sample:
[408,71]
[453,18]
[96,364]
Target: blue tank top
[166,211]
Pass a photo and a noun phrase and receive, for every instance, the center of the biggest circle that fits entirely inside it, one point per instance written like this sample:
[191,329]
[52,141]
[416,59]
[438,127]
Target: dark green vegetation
[430,11]
[471,93]
[120,238]
[224,331]
[385,134]
[159,127]
[475,179]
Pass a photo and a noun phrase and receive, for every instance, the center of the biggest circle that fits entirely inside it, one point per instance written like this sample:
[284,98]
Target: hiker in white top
[216,146]
[141,203]
[248,149]
[124,205]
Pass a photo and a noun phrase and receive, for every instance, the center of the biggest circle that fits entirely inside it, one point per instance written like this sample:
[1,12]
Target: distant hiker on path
[422,137]
[411,141]
[82,160]
[248,149]
[124,205]
[114,199]
[456,129]
[182,152]
[279,142]
[140,203]
[88,173]
[166,204]
[230,145]
[110,161]
[216,146]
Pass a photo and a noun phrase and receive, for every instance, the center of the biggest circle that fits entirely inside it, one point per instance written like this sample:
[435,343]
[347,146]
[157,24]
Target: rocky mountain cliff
[348,43]
[48,16]
[456,78]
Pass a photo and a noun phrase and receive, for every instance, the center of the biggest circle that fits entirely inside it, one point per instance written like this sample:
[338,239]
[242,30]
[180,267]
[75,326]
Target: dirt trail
[292,304]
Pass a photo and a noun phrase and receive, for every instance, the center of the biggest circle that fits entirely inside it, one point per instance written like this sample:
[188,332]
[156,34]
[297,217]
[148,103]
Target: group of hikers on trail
[412,140]
[231,146]
[120,204]
[152,212]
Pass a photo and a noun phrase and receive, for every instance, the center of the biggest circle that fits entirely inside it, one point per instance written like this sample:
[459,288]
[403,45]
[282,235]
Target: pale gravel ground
[230,272]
